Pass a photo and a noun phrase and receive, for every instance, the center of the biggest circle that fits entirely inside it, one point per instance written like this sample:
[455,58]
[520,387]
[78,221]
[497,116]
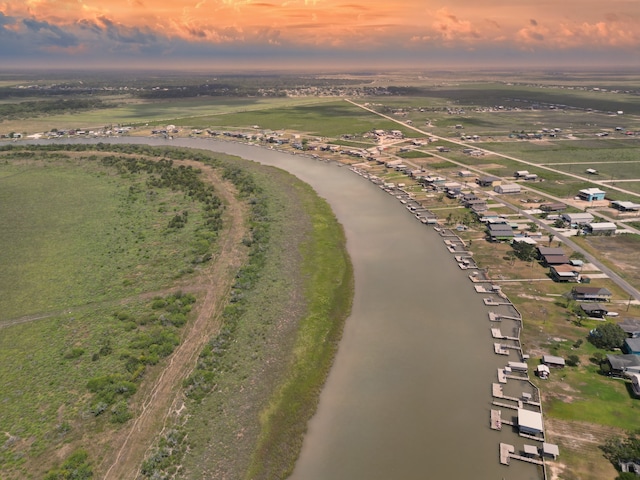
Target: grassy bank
[257,383]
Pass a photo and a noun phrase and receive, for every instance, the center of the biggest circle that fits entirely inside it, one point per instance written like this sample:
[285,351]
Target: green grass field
[323,119]
[81,234]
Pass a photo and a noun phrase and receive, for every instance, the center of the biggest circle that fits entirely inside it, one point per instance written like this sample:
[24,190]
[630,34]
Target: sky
[323,34]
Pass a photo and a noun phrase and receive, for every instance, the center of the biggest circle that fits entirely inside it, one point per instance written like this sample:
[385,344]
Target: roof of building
[531,450]
[602,225]
[553,359]
[633,344]
[550,251]
[580,216]
[622,362]
[592,191]
[529,419]
[555,259]
[592,307]
[550,449]
[630,325]
[626,205]
[500,227]
[591,291]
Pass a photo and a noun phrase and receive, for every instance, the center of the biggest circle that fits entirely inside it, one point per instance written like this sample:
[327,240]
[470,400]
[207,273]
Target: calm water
[409,394]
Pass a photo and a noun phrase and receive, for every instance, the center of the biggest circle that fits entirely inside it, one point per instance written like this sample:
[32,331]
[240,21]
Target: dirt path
[158,401]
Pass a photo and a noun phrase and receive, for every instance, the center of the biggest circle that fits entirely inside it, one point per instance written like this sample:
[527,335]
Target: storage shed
[508,188]
[553,361]
[600,228]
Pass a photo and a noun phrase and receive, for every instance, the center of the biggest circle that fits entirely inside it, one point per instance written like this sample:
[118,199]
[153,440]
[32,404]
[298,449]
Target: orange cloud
[465,23]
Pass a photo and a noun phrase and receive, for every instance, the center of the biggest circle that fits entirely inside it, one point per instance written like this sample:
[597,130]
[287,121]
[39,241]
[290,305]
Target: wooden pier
[500,349]
[496,420]
[505,452]
[494,317]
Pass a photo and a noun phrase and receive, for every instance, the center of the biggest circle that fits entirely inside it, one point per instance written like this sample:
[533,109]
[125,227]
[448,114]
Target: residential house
[500,232]
[631,346]
[590,294]
[591,194]
[593,310]
[552,256]
[488,181]
[631,327]
[621,364]
[564,273]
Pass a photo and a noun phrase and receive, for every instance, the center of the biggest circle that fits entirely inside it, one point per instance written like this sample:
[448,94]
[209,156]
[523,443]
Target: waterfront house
[529,422]
[591,194]
[621,364]
[590,294]
[500,232]
[631,327]
[631,346]
[564,273]
[593,310]
[553,361]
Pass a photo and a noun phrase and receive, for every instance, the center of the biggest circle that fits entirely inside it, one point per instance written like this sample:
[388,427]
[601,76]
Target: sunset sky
[322,33]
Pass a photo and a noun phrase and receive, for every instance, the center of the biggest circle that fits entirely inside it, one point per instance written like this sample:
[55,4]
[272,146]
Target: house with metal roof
[500,232]
[631,346]
[591,194]
[593,310]
[625,206]
[620,364]
[631,327]
[553,361]
[564,273]
[590,294]
[577,219]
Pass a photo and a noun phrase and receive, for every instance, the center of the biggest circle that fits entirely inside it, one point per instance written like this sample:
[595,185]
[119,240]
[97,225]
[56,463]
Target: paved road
[632,291]
[502,155]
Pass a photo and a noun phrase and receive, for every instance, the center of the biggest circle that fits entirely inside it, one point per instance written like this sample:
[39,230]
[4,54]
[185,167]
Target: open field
[80,349]
[326,119]
[156,112]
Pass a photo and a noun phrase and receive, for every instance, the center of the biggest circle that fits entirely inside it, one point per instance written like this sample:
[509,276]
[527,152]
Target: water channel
[409,394]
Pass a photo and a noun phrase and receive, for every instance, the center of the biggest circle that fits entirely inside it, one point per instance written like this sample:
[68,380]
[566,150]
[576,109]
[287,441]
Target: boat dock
[496,419]
[500,349]
[507,452]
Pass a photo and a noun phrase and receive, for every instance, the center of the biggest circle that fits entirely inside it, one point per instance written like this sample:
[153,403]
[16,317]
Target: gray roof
[633,344]
[630,325]
[622,362]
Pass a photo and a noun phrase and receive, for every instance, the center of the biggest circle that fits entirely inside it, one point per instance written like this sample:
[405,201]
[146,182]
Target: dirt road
[159,400]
